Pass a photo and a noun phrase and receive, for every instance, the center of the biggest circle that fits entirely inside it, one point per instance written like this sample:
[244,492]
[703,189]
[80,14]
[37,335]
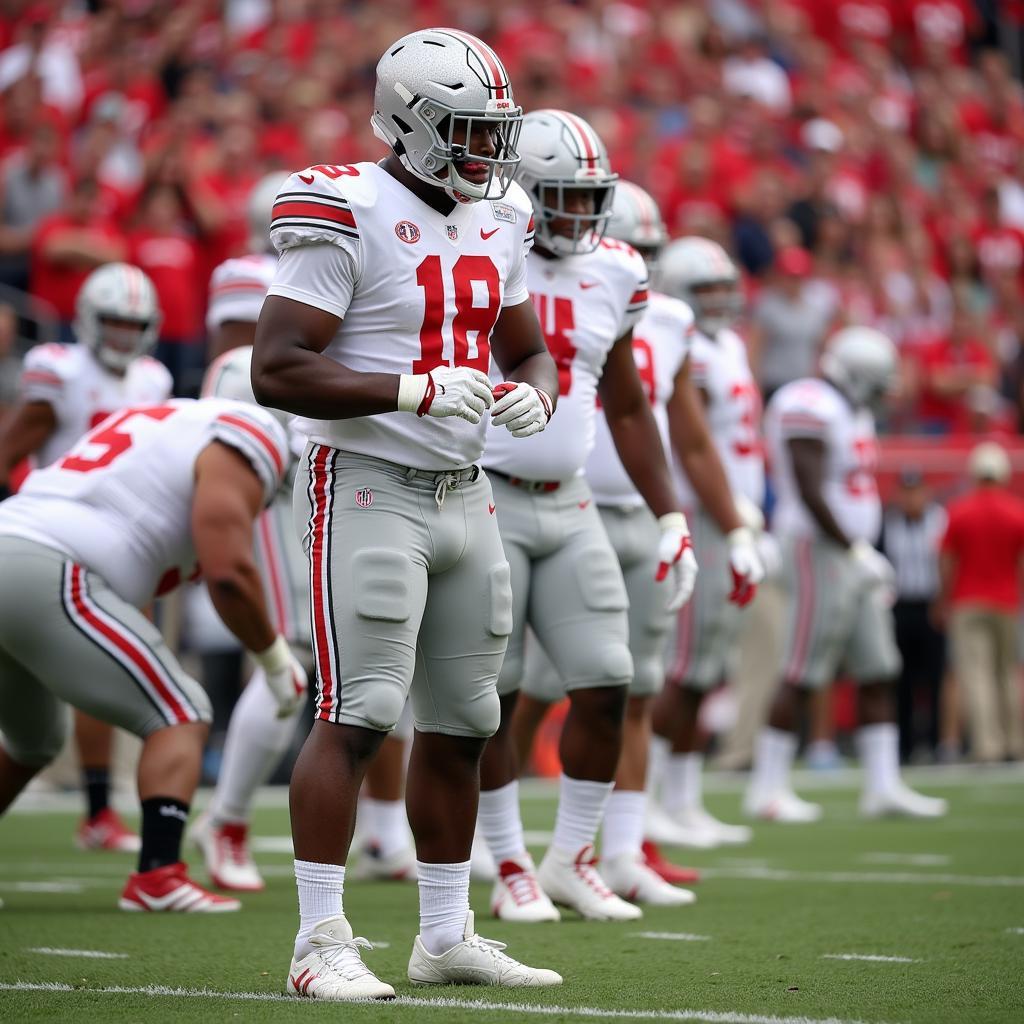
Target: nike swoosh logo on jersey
[490,508]
[308,179]
[487,234]
[589,284]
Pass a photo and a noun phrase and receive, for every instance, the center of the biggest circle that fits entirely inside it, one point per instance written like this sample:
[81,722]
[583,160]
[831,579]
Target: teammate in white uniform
[821,446]
[700,272]
[566,582]
[395,282]
[152,495]
[65,391]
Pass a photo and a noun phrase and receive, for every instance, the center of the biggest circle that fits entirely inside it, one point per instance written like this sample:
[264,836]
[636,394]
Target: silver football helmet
[434,87]
[562,153]
[123,293]
[636,219]
[700,272]
[259,208]
[862,363]
[230,376]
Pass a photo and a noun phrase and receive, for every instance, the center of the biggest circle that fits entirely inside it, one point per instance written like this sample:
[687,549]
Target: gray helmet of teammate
[862,363]
[433,88]
[561,153]
[258,210]
[636,219]
[700,272]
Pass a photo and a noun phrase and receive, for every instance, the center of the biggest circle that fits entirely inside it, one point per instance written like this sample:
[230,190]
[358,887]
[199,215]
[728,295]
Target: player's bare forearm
[697,454]
[520,352]
[22,433]
[808,457]
[289,371]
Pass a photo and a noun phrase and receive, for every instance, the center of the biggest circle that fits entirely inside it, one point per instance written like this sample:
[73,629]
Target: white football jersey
[813,408]
[719,367]
[415,289]
[82,392]
[585,303]
[120,501]
[237,289]
[661,342]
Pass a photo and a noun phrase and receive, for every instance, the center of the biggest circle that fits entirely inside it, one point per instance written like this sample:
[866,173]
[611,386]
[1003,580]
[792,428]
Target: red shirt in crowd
[173,264]
[985,536]
[58,282]
[947,355]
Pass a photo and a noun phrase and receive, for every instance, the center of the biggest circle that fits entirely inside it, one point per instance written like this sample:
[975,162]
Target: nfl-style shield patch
[407,231]
[502,211]
[364,497]
[453,232]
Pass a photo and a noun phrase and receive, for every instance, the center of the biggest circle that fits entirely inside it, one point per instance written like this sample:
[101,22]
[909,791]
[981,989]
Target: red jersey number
[860,481]
[747,442]
[112,438]
[643,356]
[558,321]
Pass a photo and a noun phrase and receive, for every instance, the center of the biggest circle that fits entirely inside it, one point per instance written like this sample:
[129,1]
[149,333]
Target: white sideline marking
[871,958]
[1015,931]
[672,936]
[869,877]
[917,860]
[58,887]
[271,844]
[92,954]
[537,837]
[442,1003]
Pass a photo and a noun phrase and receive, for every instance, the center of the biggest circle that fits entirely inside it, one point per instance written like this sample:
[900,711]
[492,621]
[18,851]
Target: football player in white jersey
[821,446]
[152,495]
[65,391]
[566,582]
[662,353]
[699,272]
[395,282]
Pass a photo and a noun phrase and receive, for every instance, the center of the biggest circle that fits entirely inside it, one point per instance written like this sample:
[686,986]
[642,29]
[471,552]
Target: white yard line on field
[1015,931]
[54,887]
[871,958]
[441,1003]
[671,936]
[866,877]
[89,954]
[916,860]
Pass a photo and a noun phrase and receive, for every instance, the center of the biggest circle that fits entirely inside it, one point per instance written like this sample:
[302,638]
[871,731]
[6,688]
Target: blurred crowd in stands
[862,159]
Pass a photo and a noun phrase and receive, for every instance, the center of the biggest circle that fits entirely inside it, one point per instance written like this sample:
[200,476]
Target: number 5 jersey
[414,288]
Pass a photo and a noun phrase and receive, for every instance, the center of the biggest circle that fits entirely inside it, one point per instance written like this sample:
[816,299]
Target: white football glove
[676,559]
[446,391]
[521,407]
[285,676]
[745,564]
[876,569]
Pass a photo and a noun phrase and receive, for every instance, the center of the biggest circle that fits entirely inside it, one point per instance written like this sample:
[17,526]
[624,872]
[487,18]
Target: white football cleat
[629,877]
[902,801]
[663,829]
[517,895]
[475,961]
[370,866]
[574,882]
[225,850]
[781,805]
[481,864]
[333,969]
[699,820]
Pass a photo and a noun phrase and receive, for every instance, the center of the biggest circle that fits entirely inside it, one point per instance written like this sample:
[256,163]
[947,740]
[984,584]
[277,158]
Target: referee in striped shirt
[912,530]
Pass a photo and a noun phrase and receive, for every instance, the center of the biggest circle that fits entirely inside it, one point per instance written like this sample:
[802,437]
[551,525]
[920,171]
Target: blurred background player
[821,444]
[702,650]
[151,496]
[67,390]
[566,581]
[409,583]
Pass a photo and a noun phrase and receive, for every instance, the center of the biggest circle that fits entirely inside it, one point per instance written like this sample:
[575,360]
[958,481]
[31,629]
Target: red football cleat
[670,872]
[170,889]
[106,831]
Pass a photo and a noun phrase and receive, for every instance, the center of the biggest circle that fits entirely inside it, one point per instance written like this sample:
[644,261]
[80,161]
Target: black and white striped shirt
[912,545]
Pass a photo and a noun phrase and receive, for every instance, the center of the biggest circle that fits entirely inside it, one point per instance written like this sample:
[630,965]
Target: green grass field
[947,896]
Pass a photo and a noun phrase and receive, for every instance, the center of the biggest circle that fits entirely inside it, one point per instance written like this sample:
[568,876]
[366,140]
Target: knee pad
[381,704]
[482,715]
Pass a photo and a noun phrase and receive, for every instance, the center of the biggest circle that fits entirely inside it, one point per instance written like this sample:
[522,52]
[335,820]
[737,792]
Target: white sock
[321,888]
[657,759]
[386,824]
[879,747]
[580,809]
[501,824]
[683,782]
[444,904]
[773,759]
[623,828]
[256,740]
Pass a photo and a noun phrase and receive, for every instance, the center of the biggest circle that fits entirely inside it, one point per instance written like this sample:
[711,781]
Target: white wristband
[412,388]
[741,535]
[275,658]
[673,521]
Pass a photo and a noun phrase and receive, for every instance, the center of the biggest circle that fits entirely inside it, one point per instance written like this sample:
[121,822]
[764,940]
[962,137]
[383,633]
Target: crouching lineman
[154,494]
[65,391]
[566,582]
[395,282]
[661,351]
[821,445]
